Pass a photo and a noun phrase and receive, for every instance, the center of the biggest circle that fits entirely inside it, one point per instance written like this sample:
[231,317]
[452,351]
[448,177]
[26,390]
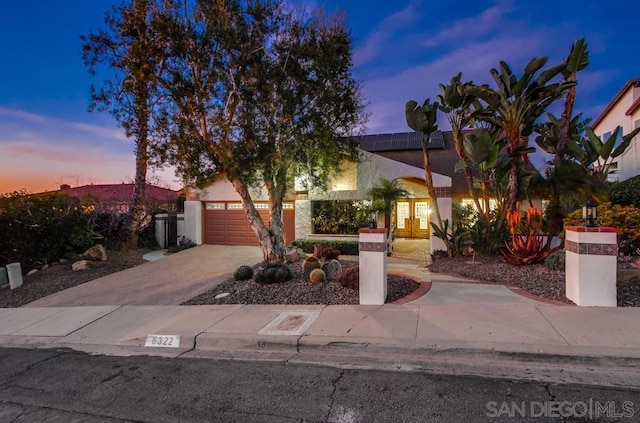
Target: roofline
[633,107]
[630,83]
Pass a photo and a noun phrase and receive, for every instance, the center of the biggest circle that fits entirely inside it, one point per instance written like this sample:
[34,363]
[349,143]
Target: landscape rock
[292,256]
[31,272]
[63,261]
[81,265]
[96,253]
[332,269]
[45,266]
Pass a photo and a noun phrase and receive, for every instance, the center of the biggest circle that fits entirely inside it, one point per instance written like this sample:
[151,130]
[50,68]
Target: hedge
[349,248]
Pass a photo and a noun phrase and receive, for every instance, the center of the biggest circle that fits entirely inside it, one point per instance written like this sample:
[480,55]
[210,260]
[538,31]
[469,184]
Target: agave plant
[527,244]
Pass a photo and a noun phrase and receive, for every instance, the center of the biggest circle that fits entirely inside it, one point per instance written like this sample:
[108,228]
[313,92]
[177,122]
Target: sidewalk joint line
[551,324]
[91,322]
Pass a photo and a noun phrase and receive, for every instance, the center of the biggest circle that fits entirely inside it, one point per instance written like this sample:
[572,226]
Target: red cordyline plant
[527,244]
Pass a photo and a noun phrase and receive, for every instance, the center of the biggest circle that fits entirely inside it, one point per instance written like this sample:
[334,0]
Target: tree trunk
[429,181]
[269,249]
[276,192]
[137,207]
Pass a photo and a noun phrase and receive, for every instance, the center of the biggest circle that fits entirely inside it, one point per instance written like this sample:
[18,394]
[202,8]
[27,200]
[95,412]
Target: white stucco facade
[352,183]
[623,111]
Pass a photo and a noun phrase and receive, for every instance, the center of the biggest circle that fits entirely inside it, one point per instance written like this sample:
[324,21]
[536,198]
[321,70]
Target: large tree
[257,92]
[126,51]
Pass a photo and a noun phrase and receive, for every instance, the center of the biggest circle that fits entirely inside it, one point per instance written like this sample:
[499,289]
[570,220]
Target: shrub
[339,216]
[243,273]
[183,244]
[350,278]
[626,192]
[439,254]
[345,247]
[326,253]
[556,261]
[272,272]
[527,245]
[317,276]
[310,263]
[42,228]
[624,218]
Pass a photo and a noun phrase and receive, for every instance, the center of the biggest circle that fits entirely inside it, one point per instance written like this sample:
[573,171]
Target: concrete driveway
[168,281]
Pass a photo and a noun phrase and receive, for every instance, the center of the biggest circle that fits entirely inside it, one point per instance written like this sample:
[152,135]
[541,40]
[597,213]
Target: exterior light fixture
[373,219]
[590,213]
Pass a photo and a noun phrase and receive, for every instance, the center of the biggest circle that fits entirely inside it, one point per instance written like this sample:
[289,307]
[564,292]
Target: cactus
[243,273]
[317,276]
[310,263]
[556,260]
[272,272]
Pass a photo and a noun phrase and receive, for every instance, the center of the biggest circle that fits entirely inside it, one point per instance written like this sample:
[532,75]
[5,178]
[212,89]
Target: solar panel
[399,141]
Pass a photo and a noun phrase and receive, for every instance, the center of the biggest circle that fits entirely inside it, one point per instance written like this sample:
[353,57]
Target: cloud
[387,95]
[384,31]
[467,28]
[21,117]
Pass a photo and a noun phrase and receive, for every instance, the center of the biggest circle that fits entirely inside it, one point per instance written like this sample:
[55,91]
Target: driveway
[169,281]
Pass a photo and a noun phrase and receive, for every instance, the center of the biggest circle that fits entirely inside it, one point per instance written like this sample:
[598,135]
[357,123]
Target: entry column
[373,266]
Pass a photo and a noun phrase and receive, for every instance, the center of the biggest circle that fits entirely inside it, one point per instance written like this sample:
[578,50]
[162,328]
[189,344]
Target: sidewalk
[456,327]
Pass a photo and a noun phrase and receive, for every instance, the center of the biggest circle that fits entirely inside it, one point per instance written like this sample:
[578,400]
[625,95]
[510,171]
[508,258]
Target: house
[118,196]
[214,215]
[624,111]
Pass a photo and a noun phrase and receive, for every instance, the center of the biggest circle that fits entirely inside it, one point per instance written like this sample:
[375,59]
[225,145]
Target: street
[67,386]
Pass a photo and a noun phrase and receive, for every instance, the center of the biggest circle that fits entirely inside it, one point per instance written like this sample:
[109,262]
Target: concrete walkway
[168,281]
[457,327]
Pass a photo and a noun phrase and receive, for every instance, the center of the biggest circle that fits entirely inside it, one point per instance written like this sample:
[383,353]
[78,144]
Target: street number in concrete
[166,341]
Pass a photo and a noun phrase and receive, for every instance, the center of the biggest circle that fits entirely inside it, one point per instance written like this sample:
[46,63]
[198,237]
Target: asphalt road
[66,386]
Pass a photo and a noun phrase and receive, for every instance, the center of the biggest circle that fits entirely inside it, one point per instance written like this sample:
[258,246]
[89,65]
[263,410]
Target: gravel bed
[59,276]
[536,278]
[298,290]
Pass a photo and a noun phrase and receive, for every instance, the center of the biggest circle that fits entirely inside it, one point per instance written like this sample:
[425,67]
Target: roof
[399,141]
[630,84]
[120,192]
[406,148]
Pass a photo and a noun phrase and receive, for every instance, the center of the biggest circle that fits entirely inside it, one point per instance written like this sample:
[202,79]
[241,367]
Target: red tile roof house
[214,215]
[118,196]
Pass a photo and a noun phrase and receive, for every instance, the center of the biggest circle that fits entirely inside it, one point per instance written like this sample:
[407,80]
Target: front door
[412,218]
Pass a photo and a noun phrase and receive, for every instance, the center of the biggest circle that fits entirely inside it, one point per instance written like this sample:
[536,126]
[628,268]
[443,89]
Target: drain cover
[290,323]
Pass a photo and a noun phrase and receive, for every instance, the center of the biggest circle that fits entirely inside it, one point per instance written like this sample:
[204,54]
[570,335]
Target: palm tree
[387,192]
[514,106]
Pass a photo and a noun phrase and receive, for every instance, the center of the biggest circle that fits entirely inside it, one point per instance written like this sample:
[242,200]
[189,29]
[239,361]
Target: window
[215,206]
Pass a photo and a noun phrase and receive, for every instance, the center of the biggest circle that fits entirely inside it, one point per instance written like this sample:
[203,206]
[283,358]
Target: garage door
[226,223]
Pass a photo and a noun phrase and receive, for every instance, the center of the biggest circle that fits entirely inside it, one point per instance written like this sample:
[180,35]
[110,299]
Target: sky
[402,50]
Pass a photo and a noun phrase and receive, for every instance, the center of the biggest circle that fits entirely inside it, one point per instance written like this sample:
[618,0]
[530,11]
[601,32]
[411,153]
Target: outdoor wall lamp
[373,219]
[590,213]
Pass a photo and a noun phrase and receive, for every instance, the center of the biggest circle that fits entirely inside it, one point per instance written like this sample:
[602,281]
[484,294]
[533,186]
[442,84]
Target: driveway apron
[168,281]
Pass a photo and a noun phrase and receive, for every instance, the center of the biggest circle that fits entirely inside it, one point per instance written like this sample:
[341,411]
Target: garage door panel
[231,227]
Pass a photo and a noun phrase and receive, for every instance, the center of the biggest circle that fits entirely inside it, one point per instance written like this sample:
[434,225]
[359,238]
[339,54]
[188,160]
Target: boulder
[31,272]
[96,253]
[81,265]
[332,269]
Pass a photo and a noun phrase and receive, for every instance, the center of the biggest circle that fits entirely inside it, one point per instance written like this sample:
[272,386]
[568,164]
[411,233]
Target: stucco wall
[629,162]
[371,168]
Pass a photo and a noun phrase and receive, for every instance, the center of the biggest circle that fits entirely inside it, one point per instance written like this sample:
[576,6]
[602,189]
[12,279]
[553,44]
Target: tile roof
[121,193]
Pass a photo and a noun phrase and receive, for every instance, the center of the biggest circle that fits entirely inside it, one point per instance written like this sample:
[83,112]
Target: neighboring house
[215,215]
[623,111]
[118,196]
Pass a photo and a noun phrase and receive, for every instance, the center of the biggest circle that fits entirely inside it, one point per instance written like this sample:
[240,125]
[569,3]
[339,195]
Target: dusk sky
[403,50]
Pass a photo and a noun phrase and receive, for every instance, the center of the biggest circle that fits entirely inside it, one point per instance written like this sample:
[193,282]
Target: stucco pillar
[304,227]
[373,266]
[193,221]
[591,263]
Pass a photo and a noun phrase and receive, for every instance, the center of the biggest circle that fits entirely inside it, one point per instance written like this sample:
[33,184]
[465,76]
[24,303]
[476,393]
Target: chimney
[64,187]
